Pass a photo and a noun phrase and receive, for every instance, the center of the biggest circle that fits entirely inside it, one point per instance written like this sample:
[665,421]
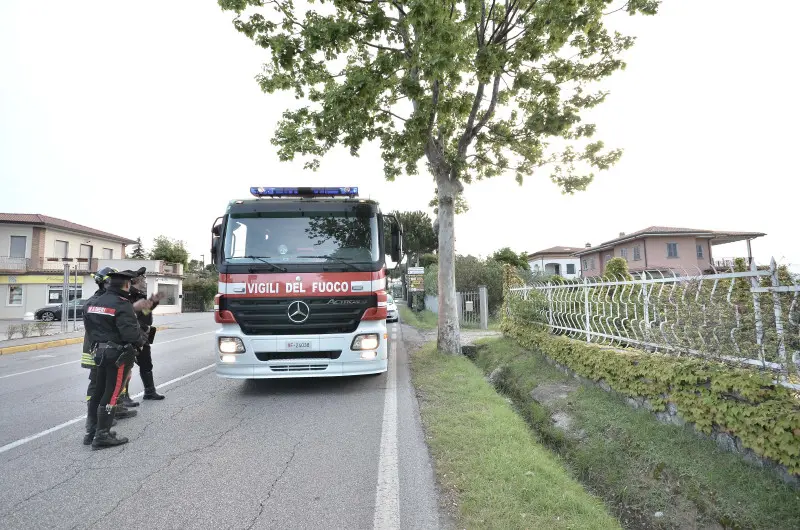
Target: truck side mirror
[216,232]
[397,242]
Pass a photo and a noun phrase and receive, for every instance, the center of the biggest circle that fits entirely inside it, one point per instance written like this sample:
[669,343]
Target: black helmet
[101,277]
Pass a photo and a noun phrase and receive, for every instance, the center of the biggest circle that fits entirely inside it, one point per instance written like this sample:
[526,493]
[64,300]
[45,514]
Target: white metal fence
[749,316]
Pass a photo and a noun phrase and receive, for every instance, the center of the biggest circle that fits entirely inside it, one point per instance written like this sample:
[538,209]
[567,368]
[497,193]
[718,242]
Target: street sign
[416,283]
[416,270]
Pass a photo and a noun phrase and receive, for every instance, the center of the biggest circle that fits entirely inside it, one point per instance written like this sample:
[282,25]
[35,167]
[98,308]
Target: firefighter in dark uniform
[144,359]
[87,360]
[111,323]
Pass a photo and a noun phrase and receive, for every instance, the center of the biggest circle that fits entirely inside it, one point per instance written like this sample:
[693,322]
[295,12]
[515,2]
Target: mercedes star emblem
[298,311]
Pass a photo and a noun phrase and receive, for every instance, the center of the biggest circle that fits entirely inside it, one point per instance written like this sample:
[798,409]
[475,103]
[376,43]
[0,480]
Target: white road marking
[23,441]
[77,362]
[37,369]
[387,494]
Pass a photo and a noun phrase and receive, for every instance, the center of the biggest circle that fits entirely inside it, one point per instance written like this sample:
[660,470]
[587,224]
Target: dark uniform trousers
[110,381]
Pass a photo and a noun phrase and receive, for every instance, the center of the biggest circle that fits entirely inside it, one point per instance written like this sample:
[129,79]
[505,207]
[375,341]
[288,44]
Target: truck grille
[288,355]
[270,316]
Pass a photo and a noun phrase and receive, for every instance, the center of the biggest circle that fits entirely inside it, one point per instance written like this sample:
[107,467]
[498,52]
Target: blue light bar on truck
[304,192]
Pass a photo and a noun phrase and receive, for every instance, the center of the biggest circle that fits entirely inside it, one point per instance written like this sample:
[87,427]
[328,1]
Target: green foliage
[426,260]
[138,250]
[497,78]
[169,250]
[742,402]
[616,269]
[636,464]
[472,272]
[418,235]
[506,255]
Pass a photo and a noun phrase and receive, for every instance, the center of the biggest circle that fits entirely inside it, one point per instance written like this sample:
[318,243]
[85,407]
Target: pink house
[662,248]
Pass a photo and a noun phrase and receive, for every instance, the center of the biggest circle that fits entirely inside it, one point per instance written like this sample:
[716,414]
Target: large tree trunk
[449,339]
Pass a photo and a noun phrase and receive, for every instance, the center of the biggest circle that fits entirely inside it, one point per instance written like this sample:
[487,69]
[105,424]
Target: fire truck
[302,284]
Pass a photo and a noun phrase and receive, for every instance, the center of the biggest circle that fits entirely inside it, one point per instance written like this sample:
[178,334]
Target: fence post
[483,297]
[460,306]
[550,308]
[757,314]
[587,310]
[776,302]
[646,290]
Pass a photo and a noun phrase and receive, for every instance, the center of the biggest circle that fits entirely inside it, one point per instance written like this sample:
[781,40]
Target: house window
[62,249]
[591,264]
[108,253]
[86,251]
[55,293]
[623,253]
[169,293]
[18,247]
[637,253]
[14,295]
[570,268]
[672,250]
[699,251]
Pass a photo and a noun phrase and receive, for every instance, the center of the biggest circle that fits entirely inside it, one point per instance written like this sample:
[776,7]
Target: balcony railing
[57,264]
[22,265]
[8,264]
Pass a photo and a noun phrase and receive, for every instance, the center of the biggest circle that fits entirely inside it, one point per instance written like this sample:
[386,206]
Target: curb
[50,344]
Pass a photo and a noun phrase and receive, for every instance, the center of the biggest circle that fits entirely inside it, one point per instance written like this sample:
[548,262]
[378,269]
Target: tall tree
[138,250]
[169,250]
[476,88]
[418,235]
[506,255]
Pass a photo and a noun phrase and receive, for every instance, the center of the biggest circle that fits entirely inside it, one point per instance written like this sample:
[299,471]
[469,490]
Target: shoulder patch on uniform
[99,310]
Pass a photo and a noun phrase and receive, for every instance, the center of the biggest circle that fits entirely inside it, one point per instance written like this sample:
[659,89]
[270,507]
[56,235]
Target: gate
[193,302]
[469,308]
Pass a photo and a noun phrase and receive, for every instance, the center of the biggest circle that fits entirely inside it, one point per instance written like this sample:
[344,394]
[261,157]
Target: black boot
[125,399]
[104,437]
[91,427]
[122,412]
[149,386]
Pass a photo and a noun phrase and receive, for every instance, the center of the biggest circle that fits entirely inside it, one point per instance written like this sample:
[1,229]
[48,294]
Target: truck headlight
[231,345]
[368,341]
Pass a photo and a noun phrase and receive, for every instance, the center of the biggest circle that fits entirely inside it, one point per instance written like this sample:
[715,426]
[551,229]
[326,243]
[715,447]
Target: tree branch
[434,108]
[489,111]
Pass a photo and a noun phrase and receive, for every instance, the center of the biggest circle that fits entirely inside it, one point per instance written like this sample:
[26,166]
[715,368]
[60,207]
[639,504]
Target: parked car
[392,315]
[54,312]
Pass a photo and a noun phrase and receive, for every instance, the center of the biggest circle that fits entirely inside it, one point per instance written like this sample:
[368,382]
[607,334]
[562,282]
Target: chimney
[622,234]
[588,245]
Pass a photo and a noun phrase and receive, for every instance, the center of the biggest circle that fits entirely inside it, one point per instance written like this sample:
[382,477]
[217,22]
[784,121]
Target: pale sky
[108,107]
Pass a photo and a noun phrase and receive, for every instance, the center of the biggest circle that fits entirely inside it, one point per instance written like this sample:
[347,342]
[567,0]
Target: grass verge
[487,458]
[640,466]
[424,320]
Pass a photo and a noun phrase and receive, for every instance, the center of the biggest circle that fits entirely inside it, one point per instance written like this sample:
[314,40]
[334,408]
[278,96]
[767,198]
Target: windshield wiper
[263,259]
[343,261]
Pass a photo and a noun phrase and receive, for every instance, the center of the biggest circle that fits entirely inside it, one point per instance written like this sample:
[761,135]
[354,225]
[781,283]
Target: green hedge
[745,403]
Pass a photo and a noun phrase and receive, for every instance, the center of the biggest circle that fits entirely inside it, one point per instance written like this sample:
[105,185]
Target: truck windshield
[301,237]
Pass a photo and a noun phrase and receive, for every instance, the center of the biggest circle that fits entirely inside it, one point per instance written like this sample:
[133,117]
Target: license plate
[298,345]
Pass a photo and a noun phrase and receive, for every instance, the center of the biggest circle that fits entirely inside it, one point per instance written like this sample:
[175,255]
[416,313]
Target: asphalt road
[317,453]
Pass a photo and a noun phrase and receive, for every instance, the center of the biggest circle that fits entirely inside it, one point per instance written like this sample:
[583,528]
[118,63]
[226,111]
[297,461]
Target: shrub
[12,330]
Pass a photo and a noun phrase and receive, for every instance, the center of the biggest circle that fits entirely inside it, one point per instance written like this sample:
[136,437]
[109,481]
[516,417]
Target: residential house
[556,260]
[662,248]
[162,277]
[33,252]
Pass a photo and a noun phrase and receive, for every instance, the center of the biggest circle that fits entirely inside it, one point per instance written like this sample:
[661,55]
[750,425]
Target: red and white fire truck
[302,284]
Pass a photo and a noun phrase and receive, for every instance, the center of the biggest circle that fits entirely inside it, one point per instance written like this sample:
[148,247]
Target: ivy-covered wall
[746,404]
